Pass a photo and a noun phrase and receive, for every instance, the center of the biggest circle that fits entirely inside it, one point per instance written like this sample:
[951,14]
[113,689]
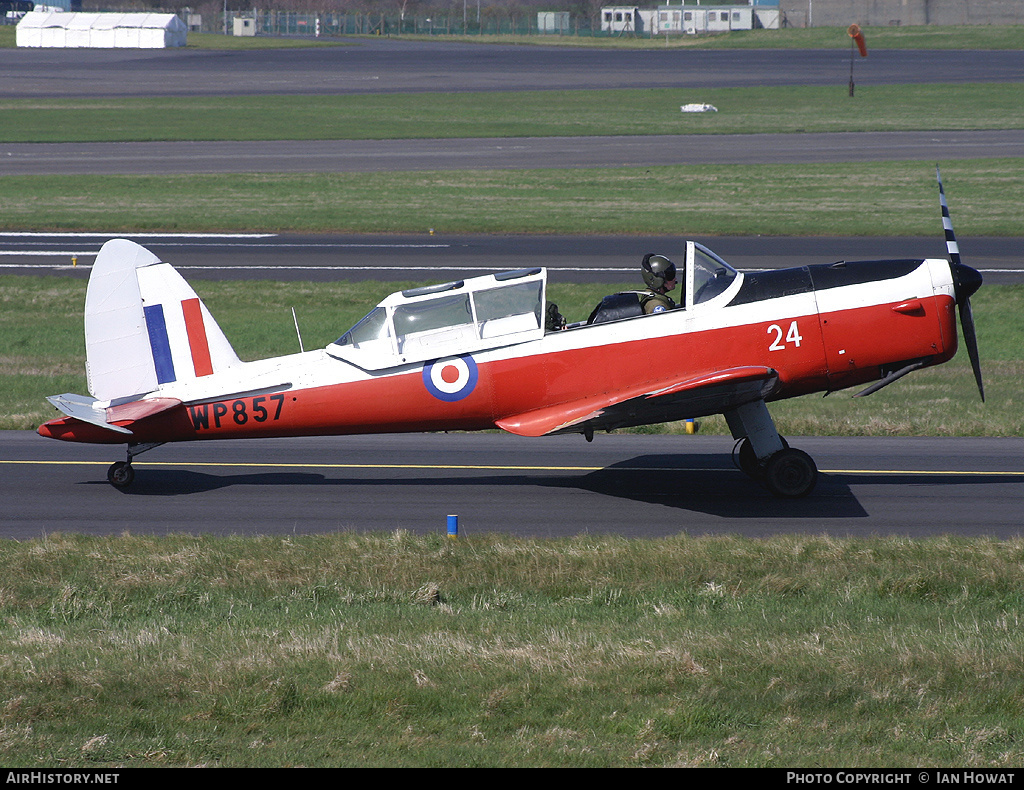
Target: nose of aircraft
[965,281]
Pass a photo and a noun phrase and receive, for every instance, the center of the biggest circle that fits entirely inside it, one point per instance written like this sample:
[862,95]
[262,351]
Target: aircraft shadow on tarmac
[700,483]
[704,483]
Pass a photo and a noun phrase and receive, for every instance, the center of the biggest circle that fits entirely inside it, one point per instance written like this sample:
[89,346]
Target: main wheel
[747,461]
[790,473]
[120,474]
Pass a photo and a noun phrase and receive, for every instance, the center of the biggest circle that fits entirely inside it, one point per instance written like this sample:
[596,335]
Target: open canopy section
[100,31]
[453,318]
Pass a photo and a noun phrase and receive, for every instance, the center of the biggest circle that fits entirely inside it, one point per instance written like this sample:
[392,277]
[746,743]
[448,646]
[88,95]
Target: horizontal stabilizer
[86,409]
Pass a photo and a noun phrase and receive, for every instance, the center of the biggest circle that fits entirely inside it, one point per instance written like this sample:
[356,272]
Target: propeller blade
[971,340]
[947,224]
[965,282]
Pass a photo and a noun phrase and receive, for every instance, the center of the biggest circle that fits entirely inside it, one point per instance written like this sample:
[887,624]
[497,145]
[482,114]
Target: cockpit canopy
[479,313]
[443,320]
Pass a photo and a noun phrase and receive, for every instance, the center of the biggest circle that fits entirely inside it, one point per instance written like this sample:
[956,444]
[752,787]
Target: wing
[709,393]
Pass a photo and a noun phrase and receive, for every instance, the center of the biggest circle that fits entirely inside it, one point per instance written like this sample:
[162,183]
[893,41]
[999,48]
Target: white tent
[59,29]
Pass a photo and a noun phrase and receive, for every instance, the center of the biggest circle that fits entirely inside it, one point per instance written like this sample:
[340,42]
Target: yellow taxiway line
[512,468]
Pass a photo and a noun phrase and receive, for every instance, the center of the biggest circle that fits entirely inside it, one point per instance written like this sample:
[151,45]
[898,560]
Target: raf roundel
[451,379]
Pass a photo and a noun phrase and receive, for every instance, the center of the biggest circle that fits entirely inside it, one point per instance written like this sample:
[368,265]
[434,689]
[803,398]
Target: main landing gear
[765,456]
[120,474]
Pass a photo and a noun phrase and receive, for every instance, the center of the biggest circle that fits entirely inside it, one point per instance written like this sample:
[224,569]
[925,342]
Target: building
[244,26]
[628,19]
[553,22]
[100,31]
[694,19]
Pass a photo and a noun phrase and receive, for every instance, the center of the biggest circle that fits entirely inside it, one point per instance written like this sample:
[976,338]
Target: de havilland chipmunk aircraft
[481,353]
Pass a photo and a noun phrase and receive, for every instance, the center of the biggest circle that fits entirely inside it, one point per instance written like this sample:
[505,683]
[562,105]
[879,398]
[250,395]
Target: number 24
[792,336]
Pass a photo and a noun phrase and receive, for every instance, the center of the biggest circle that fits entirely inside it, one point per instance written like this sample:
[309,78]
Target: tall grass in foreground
[392,649]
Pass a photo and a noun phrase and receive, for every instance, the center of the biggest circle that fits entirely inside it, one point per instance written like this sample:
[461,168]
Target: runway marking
[43,254]
[518,468]
[51,252]
[301,267]
[256,465]
[94,235]
[284,268]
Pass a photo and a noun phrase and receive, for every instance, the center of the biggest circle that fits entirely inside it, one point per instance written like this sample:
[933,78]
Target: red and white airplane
[478,353]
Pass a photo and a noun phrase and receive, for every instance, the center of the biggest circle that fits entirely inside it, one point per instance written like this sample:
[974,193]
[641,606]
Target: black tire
[790,474]
[120,474]
[747,461]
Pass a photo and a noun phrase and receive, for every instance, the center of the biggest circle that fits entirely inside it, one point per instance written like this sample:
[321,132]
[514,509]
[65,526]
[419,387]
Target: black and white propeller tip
[965,282]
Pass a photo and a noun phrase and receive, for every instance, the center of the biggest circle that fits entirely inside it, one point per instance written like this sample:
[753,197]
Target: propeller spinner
[965,282]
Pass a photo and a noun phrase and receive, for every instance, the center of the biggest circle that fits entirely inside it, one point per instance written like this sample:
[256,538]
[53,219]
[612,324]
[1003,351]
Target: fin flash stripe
[197,340]
[159,342]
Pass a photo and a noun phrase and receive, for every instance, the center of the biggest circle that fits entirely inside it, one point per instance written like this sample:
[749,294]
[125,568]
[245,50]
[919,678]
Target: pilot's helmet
[657,270]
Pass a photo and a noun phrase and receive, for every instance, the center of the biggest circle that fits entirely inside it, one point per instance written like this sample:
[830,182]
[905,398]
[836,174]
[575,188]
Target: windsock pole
[857,39]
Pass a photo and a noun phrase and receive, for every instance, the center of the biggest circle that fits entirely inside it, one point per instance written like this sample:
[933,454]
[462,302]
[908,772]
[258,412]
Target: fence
[376,23]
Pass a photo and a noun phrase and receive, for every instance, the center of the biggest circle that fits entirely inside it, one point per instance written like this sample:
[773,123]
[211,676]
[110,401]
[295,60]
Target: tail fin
[145,327]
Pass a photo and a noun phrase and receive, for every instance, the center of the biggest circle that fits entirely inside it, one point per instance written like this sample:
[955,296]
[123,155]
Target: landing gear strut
[767,457]
[120,474]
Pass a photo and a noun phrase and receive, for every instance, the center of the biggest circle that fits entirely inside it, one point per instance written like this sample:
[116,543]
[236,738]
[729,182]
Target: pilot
[659,275]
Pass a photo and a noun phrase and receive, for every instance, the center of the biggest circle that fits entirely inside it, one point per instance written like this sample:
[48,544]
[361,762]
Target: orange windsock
[853,31]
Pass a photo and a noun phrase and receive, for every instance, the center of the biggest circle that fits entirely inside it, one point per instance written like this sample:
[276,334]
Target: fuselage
[821,328]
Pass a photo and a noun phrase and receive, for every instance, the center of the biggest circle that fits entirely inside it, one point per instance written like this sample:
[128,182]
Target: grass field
[397,650]
[790,109]
[858,199]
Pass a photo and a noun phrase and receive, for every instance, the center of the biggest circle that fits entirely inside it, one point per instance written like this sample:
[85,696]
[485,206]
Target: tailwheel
[790,473]
[120,474]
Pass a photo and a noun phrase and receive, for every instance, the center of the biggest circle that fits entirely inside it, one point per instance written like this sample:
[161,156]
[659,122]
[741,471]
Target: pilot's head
[659,273]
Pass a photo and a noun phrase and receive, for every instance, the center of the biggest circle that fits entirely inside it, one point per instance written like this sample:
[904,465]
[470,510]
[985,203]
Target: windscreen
[372,326]
[711,275]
